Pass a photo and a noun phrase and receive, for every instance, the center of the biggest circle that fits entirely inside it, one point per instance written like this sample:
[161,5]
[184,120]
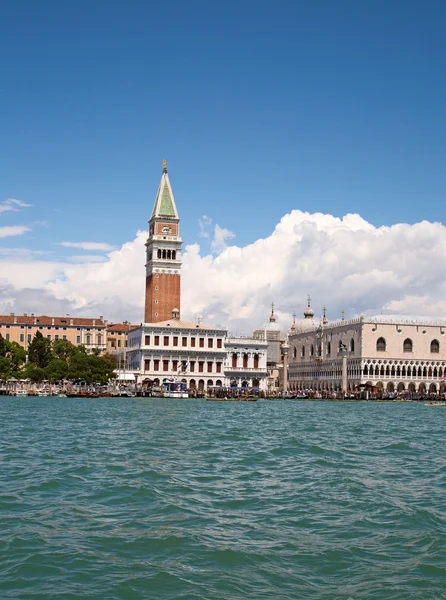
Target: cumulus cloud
[11,204]
[343,263]
[11,230]
[99,246]
[221,234]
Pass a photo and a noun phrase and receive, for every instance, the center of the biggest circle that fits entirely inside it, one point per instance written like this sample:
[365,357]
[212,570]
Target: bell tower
[163,256]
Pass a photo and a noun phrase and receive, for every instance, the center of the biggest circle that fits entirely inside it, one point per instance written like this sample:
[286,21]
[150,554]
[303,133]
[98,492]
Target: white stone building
[245,364]
[198,355]
[396,354]
[193,353]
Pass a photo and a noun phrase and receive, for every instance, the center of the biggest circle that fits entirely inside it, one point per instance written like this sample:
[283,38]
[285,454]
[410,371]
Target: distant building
[117,340]
[87,332]
[165,346]
[193,353]
[163,256]
[274,360]
[391,353]
[246,362]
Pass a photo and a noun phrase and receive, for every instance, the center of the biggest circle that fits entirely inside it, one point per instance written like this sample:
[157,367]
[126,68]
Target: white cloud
[87,258]
[11,204]
[205,224]
[99,246]
[10,230]
[343,263]
[221,234]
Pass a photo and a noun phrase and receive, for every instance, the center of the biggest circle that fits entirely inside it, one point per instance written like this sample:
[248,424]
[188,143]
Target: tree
[16,353]
[3,348]
[6,368]
[56,370]
[65,350]
[39,351]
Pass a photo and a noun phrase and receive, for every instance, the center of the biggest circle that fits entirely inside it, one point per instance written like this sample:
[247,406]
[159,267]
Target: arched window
[234,360]
[294,352]
[168,254]
[164,254]
[245,361]
[381,345]
[435,346]
[99,339]
[319,350]
[174,254]
[159,253]
[407,345]
[366,370]
[329,348]
[341,346]
[303,351]
[312,350]
[352,345]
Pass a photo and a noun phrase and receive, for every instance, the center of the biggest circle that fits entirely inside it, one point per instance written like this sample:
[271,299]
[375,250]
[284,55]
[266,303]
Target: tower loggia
[163,256]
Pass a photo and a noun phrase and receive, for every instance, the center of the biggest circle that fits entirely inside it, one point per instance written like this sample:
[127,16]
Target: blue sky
[258,107]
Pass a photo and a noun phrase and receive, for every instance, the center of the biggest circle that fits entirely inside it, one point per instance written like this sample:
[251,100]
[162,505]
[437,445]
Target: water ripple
[133,499]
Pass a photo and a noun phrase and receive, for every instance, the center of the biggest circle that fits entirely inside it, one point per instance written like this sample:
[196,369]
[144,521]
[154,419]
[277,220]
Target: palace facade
[395,354]
[87,332]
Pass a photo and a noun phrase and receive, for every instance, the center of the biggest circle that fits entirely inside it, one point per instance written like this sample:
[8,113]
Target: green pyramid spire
[165,203]
[166,207]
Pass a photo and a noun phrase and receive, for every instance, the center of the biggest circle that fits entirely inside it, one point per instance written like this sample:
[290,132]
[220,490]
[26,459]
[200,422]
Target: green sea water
[188,499]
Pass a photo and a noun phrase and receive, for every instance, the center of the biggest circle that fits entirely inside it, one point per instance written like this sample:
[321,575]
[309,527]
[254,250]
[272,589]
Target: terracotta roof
[45,320]
[121,327]
[179,324]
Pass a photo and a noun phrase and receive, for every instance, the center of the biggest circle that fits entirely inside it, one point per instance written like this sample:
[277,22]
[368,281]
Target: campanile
[163,256]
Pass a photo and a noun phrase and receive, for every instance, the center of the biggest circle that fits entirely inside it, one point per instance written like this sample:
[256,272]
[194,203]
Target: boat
[435,404]
[21,394]
[174,389]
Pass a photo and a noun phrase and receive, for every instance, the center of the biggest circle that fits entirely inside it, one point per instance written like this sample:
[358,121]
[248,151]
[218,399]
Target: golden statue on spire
[165,165]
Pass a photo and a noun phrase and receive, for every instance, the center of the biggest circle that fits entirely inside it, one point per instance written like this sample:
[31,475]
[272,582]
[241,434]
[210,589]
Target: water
[141,498]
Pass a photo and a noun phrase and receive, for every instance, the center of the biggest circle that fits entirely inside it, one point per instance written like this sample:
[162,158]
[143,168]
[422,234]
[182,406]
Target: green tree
[6,368]
[16,353]
[35,374]
[56,370]
[39,351]
[3,347]
[65,350]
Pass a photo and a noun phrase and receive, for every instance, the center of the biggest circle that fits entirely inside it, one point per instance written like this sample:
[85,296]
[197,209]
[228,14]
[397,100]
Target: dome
[309,313]
[272,325]
[308,321]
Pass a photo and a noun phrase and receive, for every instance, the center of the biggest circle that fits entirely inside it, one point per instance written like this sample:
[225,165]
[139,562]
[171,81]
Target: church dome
[308,321]
[272,325]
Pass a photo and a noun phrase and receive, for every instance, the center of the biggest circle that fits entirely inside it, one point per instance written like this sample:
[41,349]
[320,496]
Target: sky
[305,144]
